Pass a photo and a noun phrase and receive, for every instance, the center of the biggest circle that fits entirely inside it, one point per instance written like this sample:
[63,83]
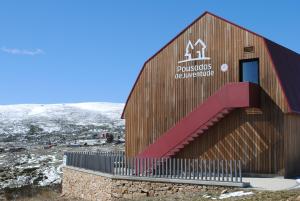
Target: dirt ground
[290,195]
[54,194]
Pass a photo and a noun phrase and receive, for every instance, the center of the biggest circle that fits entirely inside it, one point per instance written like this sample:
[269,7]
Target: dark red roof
[287,66]
[288,84]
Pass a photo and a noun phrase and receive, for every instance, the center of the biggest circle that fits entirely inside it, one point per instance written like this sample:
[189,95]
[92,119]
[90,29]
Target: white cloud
[17,51]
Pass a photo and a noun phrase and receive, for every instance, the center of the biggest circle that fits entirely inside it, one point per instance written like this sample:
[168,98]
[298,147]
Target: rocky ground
[231,195]
[53,193]
[36,166]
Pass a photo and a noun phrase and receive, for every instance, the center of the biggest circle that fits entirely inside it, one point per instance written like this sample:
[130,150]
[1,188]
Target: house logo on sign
[201,46]
[186,70]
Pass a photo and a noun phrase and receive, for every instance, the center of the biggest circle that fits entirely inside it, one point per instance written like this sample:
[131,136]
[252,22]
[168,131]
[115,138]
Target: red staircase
[229,97]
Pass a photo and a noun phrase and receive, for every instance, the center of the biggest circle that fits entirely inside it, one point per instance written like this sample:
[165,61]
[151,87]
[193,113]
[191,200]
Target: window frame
[241,69]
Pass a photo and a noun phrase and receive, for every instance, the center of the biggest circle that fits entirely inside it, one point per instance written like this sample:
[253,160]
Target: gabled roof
[289,82]
[287,66]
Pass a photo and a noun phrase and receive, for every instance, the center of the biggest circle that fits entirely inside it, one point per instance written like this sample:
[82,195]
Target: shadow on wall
[252,135]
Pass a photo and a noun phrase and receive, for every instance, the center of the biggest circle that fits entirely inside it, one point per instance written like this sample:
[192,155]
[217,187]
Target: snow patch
[51,176]
[234,194]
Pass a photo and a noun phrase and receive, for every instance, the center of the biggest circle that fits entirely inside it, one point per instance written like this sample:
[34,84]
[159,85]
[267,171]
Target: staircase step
[209,123]
[180,146]
[226,111]
[204,127]
[215,120]
[199,120]
[195,135]
[220,116]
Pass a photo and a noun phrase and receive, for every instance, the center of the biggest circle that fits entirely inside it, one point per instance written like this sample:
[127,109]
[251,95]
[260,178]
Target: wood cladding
[159,101]
[292,141]
[253,136]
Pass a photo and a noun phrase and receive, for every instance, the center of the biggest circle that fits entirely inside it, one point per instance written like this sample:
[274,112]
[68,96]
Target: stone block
[139,195]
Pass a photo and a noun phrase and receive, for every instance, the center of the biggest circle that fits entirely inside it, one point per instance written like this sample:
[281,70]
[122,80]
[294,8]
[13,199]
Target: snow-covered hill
[77,118]
[26,131]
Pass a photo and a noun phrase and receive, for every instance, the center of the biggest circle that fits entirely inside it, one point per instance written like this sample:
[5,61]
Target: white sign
[224,67]
[201,51]
[190,71]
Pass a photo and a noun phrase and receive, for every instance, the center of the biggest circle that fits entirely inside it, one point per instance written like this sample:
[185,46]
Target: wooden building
[218,91]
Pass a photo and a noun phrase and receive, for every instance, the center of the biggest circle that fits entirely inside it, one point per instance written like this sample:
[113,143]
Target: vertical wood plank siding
[159,101]
[292,145]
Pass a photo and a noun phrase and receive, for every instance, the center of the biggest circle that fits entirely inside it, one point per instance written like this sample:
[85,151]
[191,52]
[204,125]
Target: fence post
[147,167]
[174,168]
[170,167]
[194,171]
[154,167]
[209,168]
[139,167]
[214,169]
[130,166]
[205,169]
[197,165]
[185,172]
[135,164]
[240,171]
[235,172]
[159,167]
[218,169]
[231,176]
[222,166]
[166,167]
[150,167]
[226,165]
[189,166]
[112,165]
[177,168]
[126,166]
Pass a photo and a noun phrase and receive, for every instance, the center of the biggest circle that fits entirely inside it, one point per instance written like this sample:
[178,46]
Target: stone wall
[136,190]
[86,186]
[94,186]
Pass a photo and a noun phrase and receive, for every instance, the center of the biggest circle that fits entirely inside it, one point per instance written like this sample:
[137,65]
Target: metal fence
[172,168]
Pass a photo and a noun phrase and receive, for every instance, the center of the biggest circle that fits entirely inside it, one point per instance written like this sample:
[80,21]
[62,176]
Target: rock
[151,193]
[206,196]
[139,195]
[298,198]
[118,191]
[127,196]
[16,149]
[29,170]
[132,189]
[116,195]
[165,188]
[124,191]
[145,190]
[224,191]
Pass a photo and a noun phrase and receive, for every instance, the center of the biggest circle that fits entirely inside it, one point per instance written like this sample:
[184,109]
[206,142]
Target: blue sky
[59,51]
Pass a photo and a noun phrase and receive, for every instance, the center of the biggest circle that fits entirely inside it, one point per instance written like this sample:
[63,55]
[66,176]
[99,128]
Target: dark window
[249,71]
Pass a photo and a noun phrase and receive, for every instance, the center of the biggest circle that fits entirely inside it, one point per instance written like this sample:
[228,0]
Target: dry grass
[54,194]
[289,195]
